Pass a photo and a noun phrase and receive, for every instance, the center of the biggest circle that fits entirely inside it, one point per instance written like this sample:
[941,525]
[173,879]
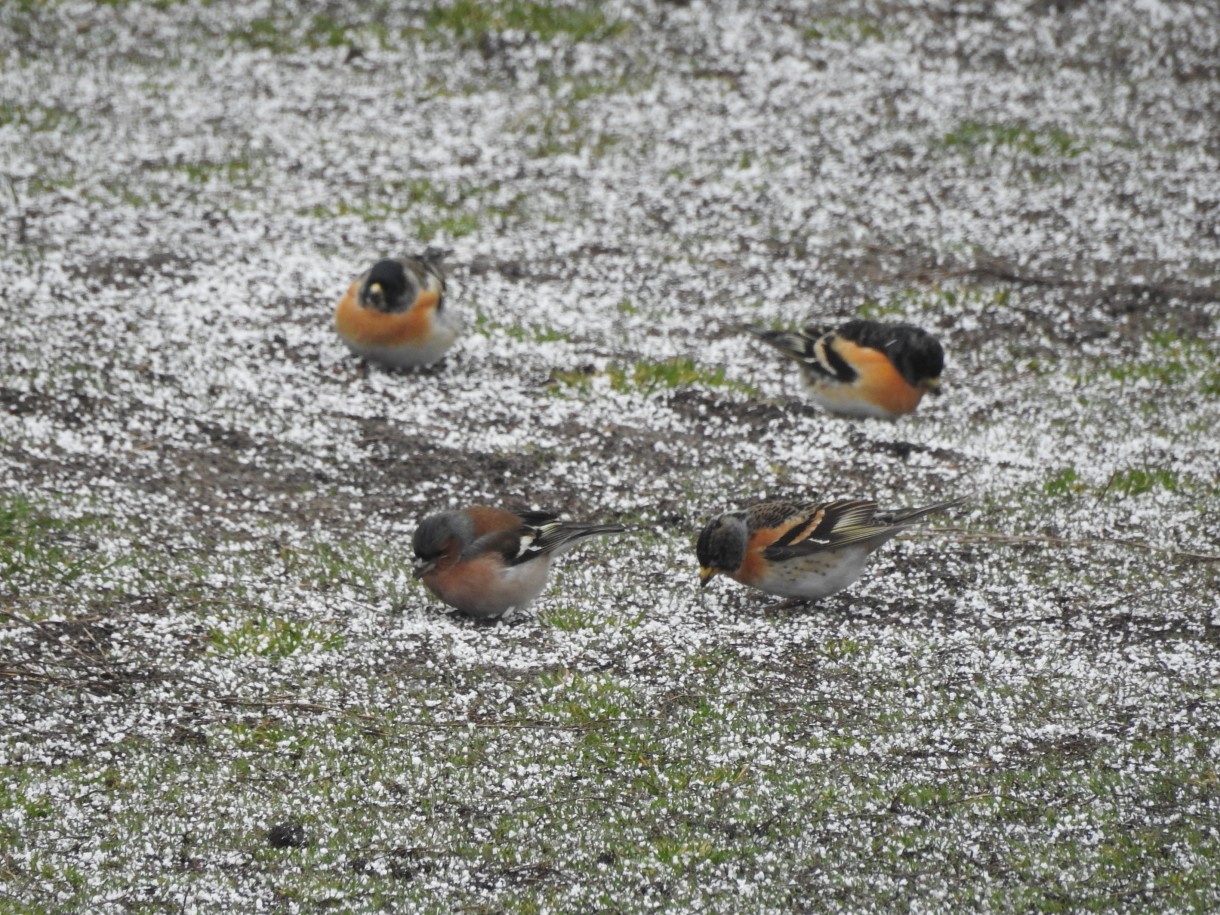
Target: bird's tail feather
[878,528]
[792,344]
[559,536]
[906,516]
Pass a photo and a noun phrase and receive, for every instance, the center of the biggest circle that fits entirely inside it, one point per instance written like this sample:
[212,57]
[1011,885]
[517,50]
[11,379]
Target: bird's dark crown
[722,542]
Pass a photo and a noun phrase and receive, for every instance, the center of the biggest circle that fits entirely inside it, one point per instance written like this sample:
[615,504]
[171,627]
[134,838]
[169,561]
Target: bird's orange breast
[369,327]
[878,380]
[754,566]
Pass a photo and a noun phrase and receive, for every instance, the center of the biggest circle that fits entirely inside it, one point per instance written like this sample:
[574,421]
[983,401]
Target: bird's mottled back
[433,261]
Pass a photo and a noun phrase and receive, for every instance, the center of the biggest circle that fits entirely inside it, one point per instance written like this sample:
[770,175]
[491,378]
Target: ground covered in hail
[223,690]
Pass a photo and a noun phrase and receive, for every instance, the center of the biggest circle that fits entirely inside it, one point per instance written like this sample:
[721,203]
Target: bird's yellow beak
[706,575]
[376,293]
[931,385]
[422,568]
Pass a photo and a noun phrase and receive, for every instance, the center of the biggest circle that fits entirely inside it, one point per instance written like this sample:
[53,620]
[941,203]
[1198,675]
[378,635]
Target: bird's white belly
[815,576]
[836,397]
[406,355]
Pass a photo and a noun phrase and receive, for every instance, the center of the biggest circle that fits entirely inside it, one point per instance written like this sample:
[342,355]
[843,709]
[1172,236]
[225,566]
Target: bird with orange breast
[801,550]
[395,312]
[483,560]
[863,368]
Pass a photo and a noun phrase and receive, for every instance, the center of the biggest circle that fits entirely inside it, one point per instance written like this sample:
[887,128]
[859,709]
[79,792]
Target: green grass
[645,792]
[120,4]
[1138,480]
[1173,360]
[843,29]
[321,30]
[1125,483]
[379,574]
[645,377]
[457,225]
[25,534]
[586,699]
[38,118]
[559,128]
[268,637]
[974,137]
[876,310]
[393,199]
[264,34]
[567,618]
[39,552]
[236,172]
[139,200]
[487,325]
[1064,482]
[216,178]
[561,131]
[468,21]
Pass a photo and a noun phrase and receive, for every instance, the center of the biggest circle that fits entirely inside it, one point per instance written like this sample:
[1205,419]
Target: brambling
[483,560]
[805,550]
[394,313]
[864,368]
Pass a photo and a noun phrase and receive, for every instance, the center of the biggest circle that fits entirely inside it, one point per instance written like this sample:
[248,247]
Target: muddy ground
[223,689]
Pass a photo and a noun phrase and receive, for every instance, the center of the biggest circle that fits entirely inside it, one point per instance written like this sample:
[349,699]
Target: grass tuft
[468,21]
[1138,480]
[568,618]
[972,137]
[523,333]
[646,377]
[268,637]
[1173,360]
[38,118]
[1064,482]
[851,29]
[40,553]
[280,34]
